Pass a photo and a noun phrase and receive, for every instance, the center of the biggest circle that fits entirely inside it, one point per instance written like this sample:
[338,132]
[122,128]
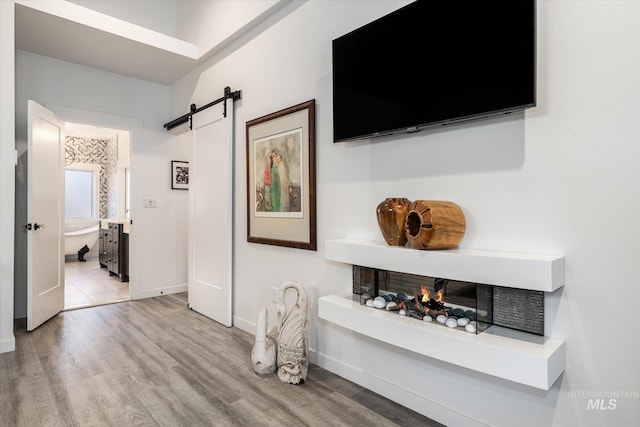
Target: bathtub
[79,232]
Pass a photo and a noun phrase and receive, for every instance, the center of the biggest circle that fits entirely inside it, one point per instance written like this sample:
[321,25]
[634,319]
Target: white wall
[85,95]
[556,179]
[157,15]
[209,23]
[7,174]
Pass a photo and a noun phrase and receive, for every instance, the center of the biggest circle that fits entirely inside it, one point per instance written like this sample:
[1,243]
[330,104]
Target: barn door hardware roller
[193,110]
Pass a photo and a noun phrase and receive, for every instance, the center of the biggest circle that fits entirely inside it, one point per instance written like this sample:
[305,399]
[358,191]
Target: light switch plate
[149,203]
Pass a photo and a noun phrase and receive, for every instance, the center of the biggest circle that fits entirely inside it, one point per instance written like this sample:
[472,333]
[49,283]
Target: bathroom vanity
[114,248]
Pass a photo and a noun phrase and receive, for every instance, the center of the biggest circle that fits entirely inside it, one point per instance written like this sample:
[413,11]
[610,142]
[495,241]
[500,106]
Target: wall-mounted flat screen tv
[432,63]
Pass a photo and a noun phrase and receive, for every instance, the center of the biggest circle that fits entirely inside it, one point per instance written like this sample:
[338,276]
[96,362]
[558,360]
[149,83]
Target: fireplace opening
[467,306]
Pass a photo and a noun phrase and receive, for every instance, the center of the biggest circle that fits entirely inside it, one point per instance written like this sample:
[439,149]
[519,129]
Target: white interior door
[211,214]
[45,215]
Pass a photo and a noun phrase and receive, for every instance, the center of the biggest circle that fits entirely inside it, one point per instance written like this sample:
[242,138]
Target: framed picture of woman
[281,178]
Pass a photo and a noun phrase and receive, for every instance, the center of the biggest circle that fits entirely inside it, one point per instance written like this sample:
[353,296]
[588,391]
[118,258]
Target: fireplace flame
[425,294]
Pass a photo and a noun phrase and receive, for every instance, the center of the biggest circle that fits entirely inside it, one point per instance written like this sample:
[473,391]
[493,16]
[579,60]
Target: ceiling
[56,37]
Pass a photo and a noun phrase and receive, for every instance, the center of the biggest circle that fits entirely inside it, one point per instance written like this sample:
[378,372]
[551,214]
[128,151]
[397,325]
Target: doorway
[97,192]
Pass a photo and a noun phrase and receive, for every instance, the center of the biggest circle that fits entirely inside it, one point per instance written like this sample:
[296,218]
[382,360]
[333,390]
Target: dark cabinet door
[116,258]
[124,257]
[114,238]
[103,236]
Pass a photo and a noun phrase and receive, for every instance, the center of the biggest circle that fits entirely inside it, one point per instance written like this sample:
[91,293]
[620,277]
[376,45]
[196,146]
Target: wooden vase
[392,213]
[434,224]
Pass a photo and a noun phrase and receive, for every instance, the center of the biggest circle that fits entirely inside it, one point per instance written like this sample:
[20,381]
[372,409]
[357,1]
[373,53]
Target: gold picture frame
[281,178]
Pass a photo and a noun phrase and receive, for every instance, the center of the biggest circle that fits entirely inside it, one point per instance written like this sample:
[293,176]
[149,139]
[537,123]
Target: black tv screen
[432,63]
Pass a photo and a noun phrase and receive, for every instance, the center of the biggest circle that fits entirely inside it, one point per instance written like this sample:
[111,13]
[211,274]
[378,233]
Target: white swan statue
[293,361]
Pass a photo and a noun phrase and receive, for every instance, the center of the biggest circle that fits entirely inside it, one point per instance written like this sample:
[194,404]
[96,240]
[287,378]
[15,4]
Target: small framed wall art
[281,178]
[179,175]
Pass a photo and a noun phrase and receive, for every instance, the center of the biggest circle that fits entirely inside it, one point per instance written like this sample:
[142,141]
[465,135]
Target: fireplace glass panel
[485,304]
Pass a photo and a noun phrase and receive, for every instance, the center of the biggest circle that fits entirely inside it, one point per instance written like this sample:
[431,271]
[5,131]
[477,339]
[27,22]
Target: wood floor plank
[155,362]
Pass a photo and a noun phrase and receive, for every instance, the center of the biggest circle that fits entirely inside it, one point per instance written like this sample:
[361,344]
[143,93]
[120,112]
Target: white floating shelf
[515,356]
[509,269]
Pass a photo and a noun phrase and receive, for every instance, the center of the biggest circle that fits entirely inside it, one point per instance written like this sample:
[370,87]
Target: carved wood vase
[433,224]
[392,213]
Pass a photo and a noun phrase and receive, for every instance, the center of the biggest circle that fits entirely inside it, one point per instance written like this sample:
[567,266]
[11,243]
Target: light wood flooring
[86,284]
[154,362]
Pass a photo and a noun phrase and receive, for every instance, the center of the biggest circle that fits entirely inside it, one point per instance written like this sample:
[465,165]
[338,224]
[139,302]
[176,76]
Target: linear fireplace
[468,306]
[530,358]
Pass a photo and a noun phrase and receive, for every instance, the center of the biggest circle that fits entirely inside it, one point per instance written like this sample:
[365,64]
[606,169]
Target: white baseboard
[406,398]
[8,344]
[245,325]
[148,293]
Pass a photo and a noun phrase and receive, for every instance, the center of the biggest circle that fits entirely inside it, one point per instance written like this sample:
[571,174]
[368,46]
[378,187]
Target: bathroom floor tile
[87,284]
